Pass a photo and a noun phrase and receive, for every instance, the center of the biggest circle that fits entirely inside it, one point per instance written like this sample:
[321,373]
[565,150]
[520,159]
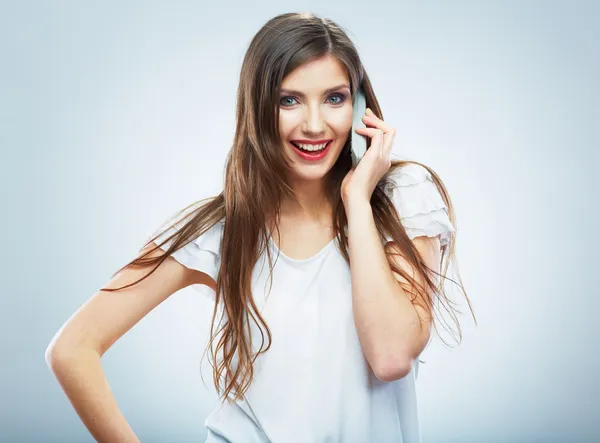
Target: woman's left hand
[361,181]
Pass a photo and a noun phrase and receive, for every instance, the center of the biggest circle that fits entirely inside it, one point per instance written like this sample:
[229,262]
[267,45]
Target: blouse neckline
[304,260]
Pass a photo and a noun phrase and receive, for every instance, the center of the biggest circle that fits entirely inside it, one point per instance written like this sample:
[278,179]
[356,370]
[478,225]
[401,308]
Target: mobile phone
[358,142]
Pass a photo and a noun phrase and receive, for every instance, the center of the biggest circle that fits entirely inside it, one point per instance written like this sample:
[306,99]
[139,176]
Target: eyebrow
[335,88]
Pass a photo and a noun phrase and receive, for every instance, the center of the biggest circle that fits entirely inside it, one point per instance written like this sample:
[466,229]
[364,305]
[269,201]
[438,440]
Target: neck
[310,202]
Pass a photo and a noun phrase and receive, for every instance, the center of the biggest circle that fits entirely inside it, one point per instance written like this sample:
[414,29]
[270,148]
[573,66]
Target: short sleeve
[419,204]
[202,254]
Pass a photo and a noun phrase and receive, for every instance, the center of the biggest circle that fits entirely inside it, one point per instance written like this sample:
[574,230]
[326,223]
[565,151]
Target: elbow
[57,354]
[60,355]
[393,369]
[53,355]
[55,351]
[50,352]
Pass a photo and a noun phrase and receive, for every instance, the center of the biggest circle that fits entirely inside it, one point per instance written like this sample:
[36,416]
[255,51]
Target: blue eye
[286,104]
[341,98]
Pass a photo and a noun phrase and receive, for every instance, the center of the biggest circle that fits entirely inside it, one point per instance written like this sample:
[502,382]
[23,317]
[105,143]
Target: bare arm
[83,380]
[387,322]
[75,351]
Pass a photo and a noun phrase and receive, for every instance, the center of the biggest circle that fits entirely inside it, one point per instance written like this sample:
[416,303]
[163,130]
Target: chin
[304,171]
[309,173]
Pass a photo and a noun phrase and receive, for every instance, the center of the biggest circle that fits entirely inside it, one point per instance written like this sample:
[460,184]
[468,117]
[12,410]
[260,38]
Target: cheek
[341,122]
[341,126]
[287,122]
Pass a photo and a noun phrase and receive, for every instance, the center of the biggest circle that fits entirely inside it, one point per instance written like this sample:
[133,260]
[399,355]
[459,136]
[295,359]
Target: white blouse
[314,383]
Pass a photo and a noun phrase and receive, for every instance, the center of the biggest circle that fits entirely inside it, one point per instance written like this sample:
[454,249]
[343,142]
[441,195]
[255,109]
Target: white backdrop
[113,115]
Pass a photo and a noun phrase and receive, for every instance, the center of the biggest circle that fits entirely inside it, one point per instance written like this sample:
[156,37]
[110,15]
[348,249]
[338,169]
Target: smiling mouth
[311,149]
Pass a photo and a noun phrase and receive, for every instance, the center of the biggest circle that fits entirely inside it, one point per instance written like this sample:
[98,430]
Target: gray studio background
[113,115]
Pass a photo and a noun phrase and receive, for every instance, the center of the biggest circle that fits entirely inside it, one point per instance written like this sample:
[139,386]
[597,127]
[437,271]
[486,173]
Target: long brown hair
[256,183]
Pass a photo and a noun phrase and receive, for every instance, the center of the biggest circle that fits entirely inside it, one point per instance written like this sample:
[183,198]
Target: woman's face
[315,106]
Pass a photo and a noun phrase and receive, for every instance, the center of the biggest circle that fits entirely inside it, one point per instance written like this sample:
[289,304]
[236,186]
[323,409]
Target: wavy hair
[256,183]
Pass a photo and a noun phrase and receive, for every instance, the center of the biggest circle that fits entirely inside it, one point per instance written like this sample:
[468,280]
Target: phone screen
[358,142]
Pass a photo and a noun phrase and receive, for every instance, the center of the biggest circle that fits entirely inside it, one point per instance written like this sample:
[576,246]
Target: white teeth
[311,147]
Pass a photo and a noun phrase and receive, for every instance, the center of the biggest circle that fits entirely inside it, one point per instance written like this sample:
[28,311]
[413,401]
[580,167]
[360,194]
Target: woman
[321,343]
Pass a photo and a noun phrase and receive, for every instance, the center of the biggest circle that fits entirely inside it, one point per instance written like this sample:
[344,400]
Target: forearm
[83,380]
[385,319]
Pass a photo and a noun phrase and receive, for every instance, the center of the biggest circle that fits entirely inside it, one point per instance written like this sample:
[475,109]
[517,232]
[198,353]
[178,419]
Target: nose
[314,122]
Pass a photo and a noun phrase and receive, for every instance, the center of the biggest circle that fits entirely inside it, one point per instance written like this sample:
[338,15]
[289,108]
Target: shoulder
[418,201]
[212,238]
[407,174]
[413,190]
[202,252]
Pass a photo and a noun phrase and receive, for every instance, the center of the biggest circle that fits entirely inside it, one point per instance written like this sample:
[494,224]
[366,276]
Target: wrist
[355,201]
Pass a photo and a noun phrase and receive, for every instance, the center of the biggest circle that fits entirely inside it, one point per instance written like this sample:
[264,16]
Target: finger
[377,143]
[388,143]
[371,132]
[376,135]
[376,122]
[370,112]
